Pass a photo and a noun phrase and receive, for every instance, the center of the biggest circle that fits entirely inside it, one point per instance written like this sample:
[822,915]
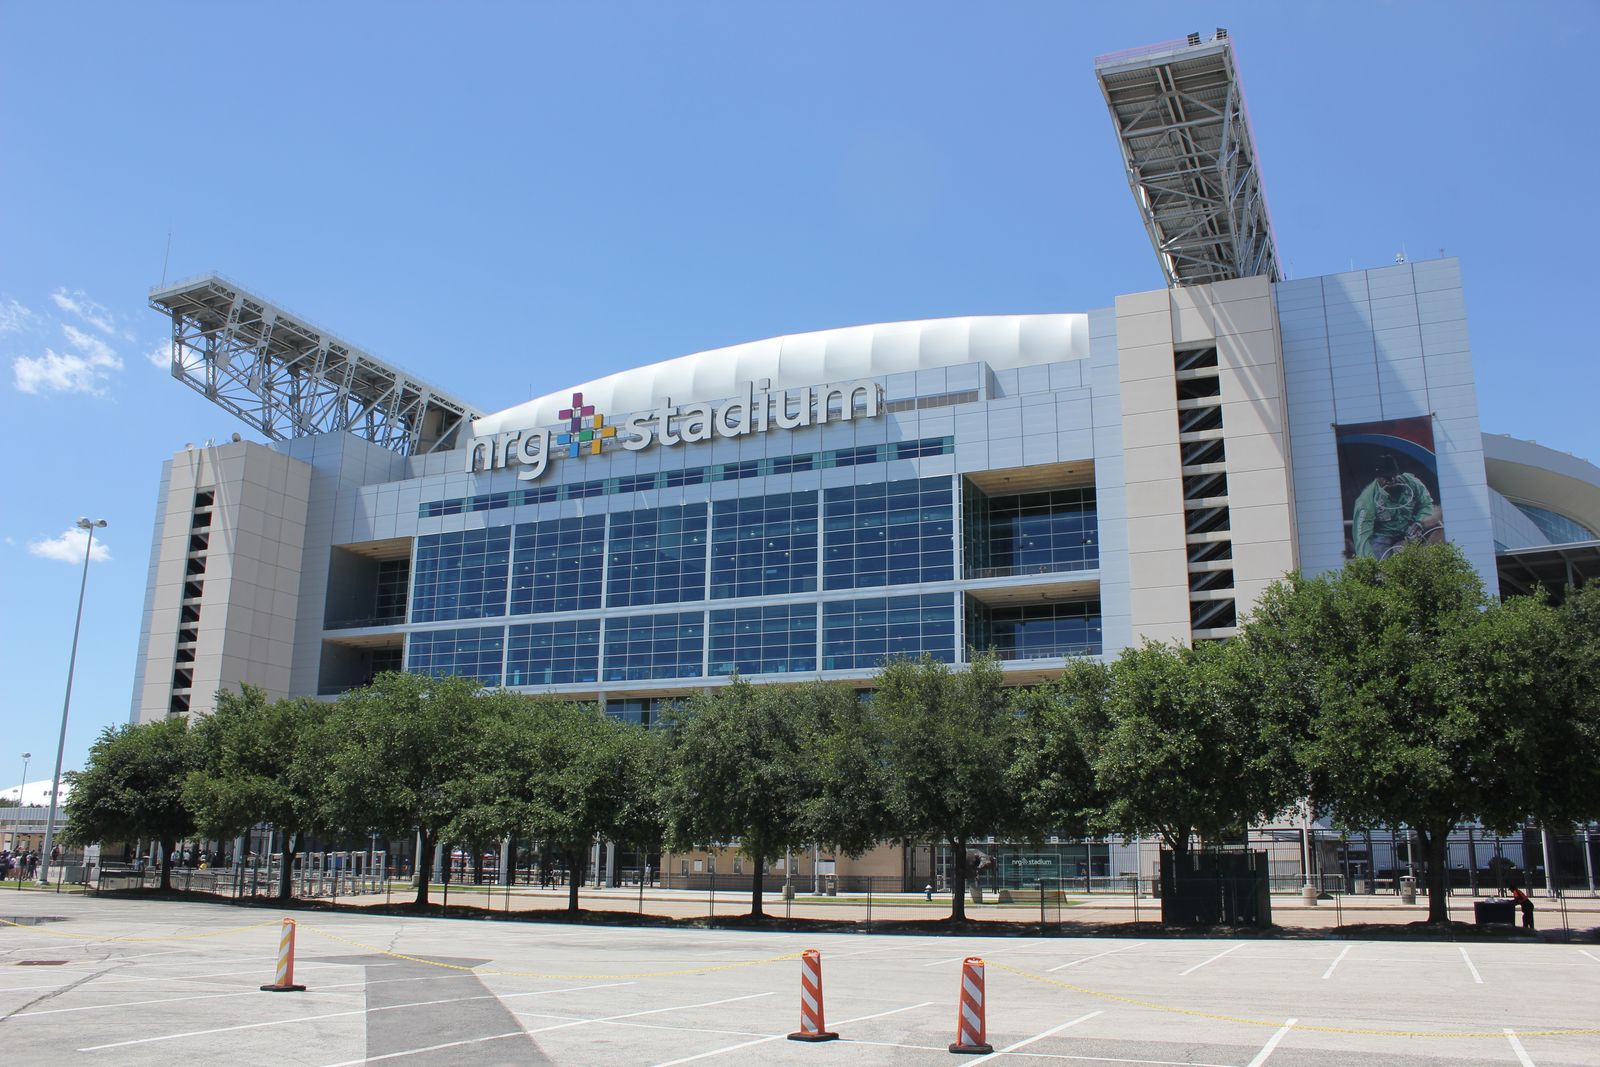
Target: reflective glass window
[1032,533]
[642,647]
[658,556]
[764,545]
[778,639]
[894,533]
[558,565]
[859,634]
[553,653]
[471,653]
[1036,631]
[461,575]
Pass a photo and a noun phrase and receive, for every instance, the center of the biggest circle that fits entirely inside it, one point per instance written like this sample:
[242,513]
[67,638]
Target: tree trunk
[477,863]
[1434,839]
[286,873]
[755,891]
[168,847]
[958,880]
[423,865]
[577,867]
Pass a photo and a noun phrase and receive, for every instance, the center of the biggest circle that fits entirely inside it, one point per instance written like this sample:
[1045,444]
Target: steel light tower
[88,526]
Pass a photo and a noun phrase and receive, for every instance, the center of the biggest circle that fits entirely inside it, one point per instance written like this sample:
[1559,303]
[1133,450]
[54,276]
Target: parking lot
[143,982]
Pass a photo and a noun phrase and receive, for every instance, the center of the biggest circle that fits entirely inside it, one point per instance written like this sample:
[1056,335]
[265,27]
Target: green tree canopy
[394,750]
[741,768]
[259,761]
[950,737]
[1422,703]
[1181,747]
[1052,776]
[133,786]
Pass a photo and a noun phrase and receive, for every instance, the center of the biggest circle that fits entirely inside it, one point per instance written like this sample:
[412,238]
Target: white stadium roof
[1001,341]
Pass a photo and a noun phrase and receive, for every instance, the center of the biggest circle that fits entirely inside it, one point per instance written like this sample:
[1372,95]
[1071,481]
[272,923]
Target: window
[1031,533]
[894,533]
[1036,631]
[861,634]
[389,602]
[658,556]
[472,653]
[780,639]
[642,647]
[764,546]
[558,565]
[554,653]
[461,575]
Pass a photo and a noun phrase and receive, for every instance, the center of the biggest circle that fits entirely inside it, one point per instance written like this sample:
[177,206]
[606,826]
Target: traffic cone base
[283,989]
[975,1050]
[821,1035]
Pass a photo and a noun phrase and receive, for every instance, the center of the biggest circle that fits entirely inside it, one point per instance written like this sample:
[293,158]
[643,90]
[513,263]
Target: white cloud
[160,356]
[14,316]
[77,302]
[68,548]
[85,369]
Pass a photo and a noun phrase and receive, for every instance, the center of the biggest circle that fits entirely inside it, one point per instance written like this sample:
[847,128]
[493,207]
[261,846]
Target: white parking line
[1038,1037]
[1516,1046]
[430,1048]
[780,1037]
[1097,955]
[651,1011]
[1213,959]
[1329,972]
[952,959]
[1476,977]
[340,1015]
[1272,1043]
[1591,955]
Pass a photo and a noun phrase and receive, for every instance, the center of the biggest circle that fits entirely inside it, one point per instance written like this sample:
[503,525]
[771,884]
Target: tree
[394,750]
[848,808]
[132,787]
[1421,703]
[741,768]
[1180,747]
[585,776]
[1052,776]
[259,761]
[950,737]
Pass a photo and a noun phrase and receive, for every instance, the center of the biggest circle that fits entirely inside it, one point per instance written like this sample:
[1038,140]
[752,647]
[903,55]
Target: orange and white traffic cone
[812,1026]
[285,975]
[970,1026]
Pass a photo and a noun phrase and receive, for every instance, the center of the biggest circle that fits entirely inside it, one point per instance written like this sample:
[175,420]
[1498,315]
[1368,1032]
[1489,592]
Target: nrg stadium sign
[755,410]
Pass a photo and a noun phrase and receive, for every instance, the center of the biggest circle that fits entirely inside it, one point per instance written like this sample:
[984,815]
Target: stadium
[1046,486]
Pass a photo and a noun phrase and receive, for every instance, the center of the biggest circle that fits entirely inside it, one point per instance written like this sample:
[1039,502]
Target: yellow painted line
[1498,1035]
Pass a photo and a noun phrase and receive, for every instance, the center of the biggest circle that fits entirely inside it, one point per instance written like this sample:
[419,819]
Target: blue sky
[507,198]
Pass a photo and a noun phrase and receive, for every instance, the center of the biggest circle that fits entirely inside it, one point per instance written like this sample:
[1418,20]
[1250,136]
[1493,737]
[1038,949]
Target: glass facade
[642,647]
[461,575]
[861,634]
[1031,533]
[554,653]
[1556,526]
[888,533]
[779,639]
[764,545]
[658,556]
[473,653]
[558,565]
[1035,631]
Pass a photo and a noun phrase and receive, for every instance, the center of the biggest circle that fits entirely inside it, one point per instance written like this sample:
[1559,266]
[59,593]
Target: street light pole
[22,790]
[89,527]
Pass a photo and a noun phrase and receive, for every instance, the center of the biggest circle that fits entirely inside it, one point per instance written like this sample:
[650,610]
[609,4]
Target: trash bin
[1408,889]
[1491,912]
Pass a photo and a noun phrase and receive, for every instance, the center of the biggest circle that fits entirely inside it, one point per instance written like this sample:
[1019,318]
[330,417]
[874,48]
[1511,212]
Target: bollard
[970,1018]
[812,1026]
[285,980]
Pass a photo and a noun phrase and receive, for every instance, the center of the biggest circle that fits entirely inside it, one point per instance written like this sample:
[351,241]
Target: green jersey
[1389,513]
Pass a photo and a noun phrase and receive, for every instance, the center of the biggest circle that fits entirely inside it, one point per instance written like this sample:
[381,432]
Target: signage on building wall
[584,431]
[1389,475]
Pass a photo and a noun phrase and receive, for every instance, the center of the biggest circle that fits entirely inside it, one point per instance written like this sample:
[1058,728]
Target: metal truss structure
[288,378]
[1191,160]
